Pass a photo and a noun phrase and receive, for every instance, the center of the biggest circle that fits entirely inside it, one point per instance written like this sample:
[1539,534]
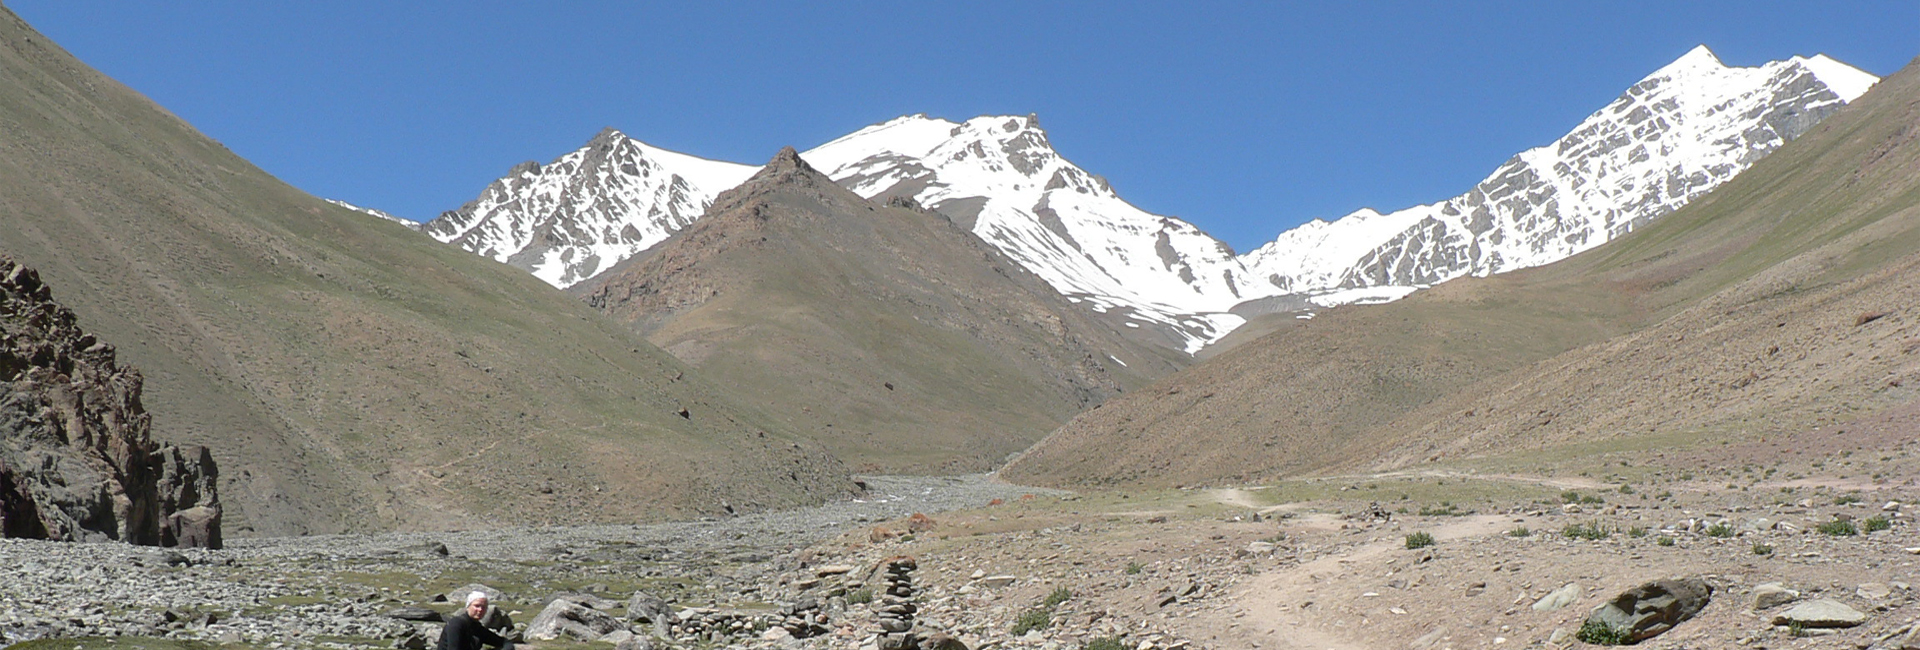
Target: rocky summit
[77,461]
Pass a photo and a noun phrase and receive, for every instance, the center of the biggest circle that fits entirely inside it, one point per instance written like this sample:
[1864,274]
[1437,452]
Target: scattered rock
[421,614]
[1874,591]
[567,618]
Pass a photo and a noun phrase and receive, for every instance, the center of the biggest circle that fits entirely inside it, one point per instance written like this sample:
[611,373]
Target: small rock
[421,614]
[1771,595]
[995,582]
[1561,597]
[1476,589]
[1825,612]
[1873,591]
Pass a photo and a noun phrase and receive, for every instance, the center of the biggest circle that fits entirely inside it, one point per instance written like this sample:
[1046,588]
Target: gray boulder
[1561,597]
[1650,609]
[1825,612]
[567,618]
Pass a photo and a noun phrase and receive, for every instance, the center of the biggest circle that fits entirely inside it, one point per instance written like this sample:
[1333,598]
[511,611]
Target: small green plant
[1037,618]
[1106,643]
[1626,489]
[1135,567]
[860,596]
[1874,523]
[1846,499]
[1663,540]
[1720,529]
[1762,549]
[1637,531]
[1420,540]
[1519,531]
[1838,528]
[1587,531]
[1055,597]
[1600,633]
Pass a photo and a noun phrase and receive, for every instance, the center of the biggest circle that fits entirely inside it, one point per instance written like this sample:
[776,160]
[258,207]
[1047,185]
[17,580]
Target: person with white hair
[465,632]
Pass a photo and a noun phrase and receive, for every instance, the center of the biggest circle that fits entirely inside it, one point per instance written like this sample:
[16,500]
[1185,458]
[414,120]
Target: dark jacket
[464,633]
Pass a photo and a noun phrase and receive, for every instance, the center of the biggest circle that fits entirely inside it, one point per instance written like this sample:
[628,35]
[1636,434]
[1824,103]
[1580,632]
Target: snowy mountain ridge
[1671,137]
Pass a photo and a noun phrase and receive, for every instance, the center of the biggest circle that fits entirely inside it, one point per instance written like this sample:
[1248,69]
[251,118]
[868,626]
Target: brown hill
[895,337]
[1770,305]
[351,374]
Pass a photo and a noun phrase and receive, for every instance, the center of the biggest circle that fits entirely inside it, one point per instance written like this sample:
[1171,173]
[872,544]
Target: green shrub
[1519,531]
[1587,531]
[1874,523]
[1106,643]
[1663,540]
[1720,529]
[1762,549]
[1599,633]
[860,596]
[1419,540]
[1845,499]
[1637,531]
[1134,568]
[1838,528]
[1037,618]
[1055,597]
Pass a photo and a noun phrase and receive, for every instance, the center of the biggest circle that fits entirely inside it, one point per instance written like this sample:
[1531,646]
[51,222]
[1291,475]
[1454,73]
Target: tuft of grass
[1599,633]
[1055,597]
[1519,531]
[1420,540]
[1846,499]
[1762,549]
[1588,531]
[1720,529]
[1637,531]
[1876,522]
[1135,567]
[1106,643]
[1838,528]
[1037,618]
[1663,540]
[860,596]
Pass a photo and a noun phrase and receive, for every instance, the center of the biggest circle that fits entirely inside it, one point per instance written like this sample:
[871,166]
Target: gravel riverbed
[339,590]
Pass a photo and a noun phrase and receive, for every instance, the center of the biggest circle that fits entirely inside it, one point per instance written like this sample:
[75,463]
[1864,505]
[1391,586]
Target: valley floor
[1307,564]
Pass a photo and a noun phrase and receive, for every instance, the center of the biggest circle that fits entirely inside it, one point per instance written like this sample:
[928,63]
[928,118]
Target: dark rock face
[77,462]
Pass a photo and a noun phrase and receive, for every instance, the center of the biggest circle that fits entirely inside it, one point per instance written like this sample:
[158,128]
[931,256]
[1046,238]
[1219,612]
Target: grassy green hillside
[889,334]
[351,374]
[1805,242]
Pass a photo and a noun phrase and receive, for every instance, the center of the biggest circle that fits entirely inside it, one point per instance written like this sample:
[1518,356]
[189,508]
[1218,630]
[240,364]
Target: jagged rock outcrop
[77,461]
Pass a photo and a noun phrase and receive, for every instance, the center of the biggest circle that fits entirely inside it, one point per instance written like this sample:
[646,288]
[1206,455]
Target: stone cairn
[895,606]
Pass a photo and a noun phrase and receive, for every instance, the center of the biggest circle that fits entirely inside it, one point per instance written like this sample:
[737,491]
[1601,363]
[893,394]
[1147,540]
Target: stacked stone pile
[894,607]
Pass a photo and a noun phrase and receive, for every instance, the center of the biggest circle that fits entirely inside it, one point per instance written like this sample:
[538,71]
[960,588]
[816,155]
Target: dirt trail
[1274,607]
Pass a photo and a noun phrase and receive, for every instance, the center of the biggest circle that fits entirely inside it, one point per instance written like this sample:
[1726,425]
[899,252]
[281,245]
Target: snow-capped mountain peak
[580,214]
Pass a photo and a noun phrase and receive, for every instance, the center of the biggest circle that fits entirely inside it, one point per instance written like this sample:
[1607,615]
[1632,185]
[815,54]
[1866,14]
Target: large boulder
[567,618]
[1650,609]
[77,459]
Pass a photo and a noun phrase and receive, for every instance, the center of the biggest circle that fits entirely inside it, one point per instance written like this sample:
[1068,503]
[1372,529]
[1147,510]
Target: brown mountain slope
[1812,237]
[348,373]
[896,338]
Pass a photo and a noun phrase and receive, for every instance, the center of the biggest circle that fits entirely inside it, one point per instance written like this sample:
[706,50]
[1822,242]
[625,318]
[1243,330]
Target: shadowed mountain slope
[1771,304]
[349,373]
[894,336]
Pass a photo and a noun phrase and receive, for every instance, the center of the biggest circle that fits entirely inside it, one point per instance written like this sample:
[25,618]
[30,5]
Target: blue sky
[1244,118]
